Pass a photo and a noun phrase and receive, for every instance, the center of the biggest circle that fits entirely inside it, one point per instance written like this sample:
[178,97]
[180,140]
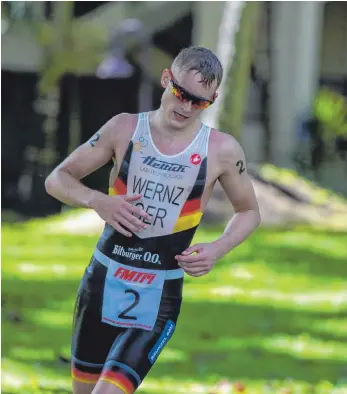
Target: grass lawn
[272,314]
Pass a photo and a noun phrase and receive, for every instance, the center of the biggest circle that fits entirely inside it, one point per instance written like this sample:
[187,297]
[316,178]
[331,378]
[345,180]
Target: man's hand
[119,213]
[199,259]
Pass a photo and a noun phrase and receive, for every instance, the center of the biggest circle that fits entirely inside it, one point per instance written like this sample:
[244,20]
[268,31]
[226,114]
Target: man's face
[179,113]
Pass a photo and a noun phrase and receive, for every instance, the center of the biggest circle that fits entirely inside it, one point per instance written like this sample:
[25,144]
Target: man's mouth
[180,116]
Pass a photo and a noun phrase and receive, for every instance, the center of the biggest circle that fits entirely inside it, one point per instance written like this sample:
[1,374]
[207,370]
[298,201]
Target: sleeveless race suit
[130,295]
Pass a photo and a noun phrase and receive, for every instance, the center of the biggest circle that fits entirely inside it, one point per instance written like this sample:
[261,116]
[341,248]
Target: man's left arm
[199,259]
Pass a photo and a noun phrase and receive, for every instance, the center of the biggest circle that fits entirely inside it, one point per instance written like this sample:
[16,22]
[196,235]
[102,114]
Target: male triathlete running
[166,163]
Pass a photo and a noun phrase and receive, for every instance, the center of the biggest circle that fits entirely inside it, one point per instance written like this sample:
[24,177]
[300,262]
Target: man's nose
[187,106]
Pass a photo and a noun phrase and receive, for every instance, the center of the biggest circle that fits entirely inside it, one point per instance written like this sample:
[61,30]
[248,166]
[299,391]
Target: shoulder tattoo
[94,139]
[241,166]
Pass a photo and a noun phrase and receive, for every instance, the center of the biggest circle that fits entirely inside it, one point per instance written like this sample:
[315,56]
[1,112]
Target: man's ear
[165,78]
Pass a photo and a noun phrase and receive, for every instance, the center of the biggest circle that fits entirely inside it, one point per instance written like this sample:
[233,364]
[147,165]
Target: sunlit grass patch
[272,312]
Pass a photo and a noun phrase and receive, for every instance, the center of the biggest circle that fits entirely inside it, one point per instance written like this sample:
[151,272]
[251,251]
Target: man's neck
[158,122]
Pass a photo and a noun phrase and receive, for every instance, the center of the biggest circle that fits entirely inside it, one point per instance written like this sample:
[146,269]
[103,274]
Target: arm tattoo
[94,139]
[241,165]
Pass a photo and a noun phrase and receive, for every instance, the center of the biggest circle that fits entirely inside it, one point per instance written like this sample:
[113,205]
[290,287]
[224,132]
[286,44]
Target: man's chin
[179,123]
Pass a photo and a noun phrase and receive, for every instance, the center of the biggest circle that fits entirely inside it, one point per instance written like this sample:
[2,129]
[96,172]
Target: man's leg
[82,388]
[91,339]
[103,387]
[84,378]
[131,357]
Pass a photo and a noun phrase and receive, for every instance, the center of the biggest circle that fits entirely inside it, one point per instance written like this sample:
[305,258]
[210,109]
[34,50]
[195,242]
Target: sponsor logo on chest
[151,161]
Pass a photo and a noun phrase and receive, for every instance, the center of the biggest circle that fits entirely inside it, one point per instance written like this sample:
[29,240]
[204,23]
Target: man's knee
[82,388]
[103,387]
[83,382]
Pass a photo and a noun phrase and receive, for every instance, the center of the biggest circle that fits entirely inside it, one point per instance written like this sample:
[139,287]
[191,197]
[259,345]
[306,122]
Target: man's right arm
[64,181]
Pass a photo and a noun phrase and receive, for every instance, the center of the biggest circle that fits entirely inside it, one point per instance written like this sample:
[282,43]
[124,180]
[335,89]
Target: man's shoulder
[124,120]
[224,143]
[122,126]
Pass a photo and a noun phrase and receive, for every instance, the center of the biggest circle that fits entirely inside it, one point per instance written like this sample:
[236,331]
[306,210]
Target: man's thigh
[105,353]
[92,339]
[82,388]
[133,354]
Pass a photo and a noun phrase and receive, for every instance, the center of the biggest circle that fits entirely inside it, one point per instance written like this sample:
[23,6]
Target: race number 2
[132,295]
[123,315]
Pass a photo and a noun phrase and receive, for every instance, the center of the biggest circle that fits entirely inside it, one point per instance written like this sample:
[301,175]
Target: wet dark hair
[201,60]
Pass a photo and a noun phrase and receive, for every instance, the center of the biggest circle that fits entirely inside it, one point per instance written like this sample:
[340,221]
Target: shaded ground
[285,198]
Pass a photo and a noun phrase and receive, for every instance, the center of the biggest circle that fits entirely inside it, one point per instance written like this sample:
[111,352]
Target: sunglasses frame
[189,96]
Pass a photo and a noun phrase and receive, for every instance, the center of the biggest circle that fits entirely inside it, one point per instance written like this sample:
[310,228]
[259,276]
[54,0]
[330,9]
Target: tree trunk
[225,52]
[238,76]
[48,87]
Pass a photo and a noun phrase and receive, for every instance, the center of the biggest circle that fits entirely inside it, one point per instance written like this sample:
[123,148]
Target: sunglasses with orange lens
[184,96]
